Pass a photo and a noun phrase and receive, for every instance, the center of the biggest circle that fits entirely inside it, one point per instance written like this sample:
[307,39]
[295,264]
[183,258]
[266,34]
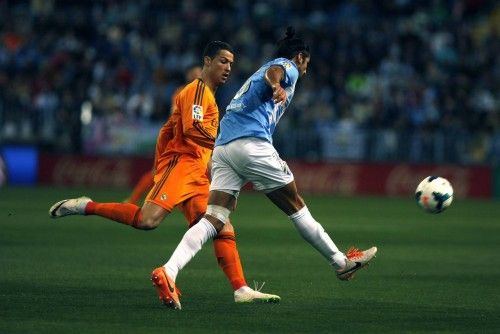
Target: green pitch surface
[435,273]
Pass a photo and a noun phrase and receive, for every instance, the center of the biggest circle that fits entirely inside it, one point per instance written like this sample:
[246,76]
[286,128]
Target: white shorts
[248,160]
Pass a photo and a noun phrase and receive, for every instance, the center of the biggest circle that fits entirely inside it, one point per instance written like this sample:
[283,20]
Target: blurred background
[396,89]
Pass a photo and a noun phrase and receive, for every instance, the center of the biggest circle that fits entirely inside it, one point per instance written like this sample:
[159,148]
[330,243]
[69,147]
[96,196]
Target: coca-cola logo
[326,178]
[95,172]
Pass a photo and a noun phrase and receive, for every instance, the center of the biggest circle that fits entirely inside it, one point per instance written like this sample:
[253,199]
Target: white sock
[315,234]
[190,244]
[244,289]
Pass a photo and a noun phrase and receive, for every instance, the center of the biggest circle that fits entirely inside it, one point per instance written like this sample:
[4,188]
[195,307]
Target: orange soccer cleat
[356,260]
[167,291]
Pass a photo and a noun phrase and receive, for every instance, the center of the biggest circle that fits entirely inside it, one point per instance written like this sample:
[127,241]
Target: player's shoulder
[196,91]
[193,86]
[285,62]
[290,68]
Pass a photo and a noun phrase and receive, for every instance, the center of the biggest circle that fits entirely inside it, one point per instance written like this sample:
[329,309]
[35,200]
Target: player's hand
[279,94]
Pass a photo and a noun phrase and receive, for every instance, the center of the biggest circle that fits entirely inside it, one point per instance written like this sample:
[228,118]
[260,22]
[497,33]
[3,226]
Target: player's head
[192,72]
[217,61]
[295,49]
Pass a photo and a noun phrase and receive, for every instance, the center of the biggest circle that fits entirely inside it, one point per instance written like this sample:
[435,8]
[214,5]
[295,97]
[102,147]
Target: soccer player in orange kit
[183,151]
[146,182]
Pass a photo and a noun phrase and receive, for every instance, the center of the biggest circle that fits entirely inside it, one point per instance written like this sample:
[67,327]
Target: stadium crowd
[406,80]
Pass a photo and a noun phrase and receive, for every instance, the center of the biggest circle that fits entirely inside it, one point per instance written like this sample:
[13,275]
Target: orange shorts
[181,182]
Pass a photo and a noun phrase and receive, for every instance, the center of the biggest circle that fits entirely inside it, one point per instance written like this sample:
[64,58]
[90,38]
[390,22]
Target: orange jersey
[174,95]
[192,127]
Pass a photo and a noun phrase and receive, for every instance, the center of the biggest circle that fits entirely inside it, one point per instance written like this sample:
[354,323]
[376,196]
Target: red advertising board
[325,178]
[388,179]
[69,170]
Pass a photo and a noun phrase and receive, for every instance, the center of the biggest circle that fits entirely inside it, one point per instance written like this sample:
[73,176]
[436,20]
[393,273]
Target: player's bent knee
[217,224]
[149,223]
[219,212]
[151,216]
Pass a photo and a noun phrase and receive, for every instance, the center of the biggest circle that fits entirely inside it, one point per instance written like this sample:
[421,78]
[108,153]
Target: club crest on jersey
[197,112]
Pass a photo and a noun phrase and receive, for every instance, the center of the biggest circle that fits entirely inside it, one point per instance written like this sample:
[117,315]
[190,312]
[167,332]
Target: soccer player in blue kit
[244,153]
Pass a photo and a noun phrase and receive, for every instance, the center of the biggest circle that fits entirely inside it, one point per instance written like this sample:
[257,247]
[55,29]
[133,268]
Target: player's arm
[201,133]
[164,136]
[273,76]
[174,99]
[199,122]
[167,132]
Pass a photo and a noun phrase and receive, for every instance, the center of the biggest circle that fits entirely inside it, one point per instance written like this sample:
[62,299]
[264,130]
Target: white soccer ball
[434,194]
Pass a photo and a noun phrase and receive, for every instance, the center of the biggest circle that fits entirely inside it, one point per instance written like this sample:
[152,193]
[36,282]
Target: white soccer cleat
[249,295]
[356,260]
[67,207]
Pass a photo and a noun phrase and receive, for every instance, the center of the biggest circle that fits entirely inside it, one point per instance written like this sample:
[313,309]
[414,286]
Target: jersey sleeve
[291,74]
[166,133]
[200,116]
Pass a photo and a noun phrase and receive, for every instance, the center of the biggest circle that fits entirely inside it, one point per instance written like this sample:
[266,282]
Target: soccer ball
[434,194]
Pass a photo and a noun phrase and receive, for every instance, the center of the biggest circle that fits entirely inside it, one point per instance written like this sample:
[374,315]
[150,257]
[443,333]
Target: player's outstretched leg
[292,204]
[356,260]
[124,213]
[67,207]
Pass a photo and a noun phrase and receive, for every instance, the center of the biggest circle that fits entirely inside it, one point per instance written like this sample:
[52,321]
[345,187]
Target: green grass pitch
[436,273]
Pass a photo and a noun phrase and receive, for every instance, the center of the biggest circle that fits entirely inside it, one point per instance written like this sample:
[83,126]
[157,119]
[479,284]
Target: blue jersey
[252,112]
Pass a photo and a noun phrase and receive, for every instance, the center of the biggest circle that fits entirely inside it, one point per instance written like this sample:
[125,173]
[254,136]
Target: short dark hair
[212,48]
[291,46]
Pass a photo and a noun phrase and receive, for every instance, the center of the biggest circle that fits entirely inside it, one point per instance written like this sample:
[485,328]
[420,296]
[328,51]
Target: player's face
[220,66]
[302,63]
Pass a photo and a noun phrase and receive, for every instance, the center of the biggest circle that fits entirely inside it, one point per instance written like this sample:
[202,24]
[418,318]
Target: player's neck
[209,83]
